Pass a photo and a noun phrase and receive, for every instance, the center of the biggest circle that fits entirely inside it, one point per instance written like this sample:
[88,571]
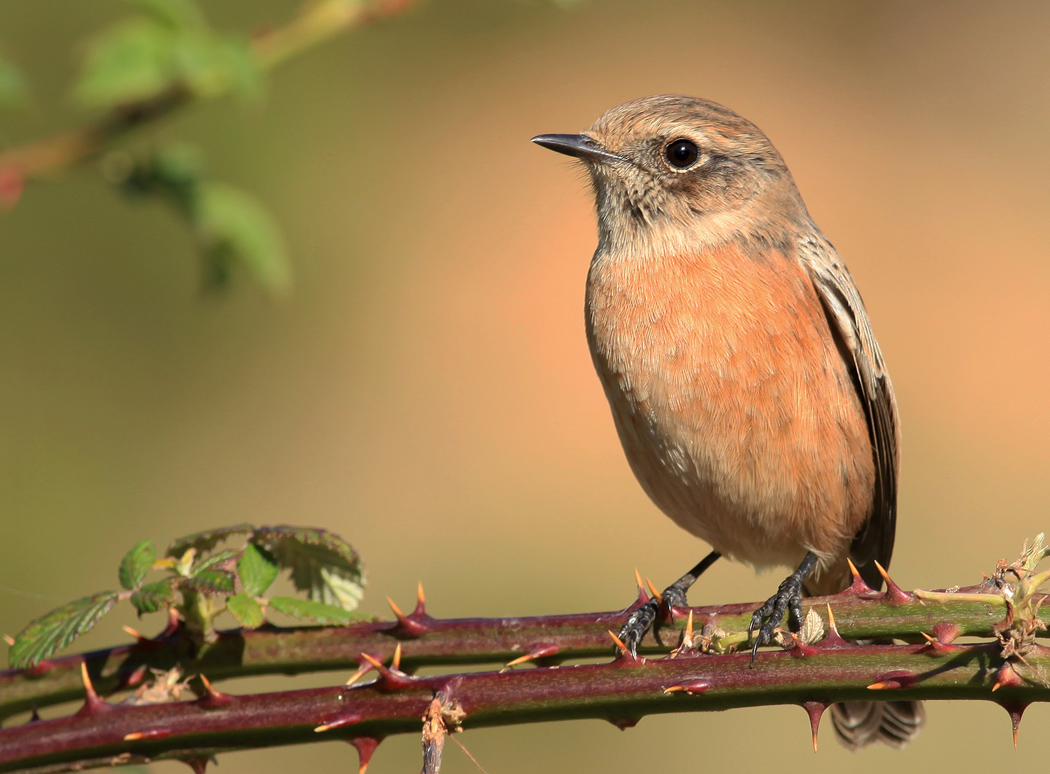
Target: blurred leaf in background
[170,46]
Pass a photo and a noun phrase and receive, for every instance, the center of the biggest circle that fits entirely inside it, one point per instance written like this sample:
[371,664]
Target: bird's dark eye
[682,154]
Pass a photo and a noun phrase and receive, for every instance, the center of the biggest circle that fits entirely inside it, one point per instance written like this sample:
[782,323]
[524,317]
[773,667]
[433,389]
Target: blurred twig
[316,23]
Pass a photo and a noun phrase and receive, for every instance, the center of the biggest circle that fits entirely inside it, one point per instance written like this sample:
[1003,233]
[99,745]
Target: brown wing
[849,320]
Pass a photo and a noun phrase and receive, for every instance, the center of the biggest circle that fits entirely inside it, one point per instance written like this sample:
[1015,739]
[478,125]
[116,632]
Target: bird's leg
[642,619]
[788,598]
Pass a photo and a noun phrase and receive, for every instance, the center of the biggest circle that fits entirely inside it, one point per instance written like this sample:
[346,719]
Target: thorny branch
[705,672]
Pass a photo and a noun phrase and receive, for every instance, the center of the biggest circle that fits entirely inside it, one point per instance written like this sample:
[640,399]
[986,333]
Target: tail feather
[861,723]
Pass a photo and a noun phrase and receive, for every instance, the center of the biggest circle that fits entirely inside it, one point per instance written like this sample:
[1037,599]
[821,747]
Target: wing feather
[849,320]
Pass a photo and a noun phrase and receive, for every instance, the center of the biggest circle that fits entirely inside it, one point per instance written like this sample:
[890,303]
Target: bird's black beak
[579,145]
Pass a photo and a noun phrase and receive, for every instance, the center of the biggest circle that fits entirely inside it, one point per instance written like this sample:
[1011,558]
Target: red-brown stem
[452,642]
[621,691]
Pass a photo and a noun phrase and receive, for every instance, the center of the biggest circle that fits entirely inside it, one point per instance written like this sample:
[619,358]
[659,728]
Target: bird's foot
[642,619]
[787,599]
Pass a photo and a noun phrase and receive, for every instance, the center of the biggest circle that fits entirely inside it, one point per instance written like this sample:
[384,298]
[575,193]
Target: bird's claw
[638,625]
[642,619]
[766,619]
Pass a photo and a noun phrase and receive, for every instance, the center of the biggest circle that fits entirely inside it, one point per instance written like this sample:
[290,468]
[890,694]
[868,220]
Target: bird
[746,385]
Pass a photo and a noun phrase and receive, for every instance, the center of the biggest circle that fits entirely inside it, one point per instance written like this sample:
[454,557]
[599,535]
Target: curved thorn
[656,594]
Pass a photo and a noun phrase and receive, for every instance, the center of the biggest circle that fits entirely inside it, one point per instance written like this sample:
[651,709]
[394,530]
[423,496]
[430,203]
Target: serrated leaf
[136,563]
[207,540]
[321,563]
[318,612]
[212,562]
[246,610]
[179,14]
[130,61]
[233,226]
[54,631]
[210,582]
[12,86]
[154,597]
[257,569]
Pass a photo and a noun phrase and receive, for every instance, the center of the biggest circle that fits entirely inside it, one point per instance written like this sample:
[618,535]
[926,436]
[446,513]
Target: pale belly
[734,407]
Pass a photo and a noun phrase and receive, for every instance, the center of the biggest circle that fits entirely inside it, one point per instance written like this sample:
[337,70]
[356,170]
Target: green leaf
[212,562]
[133,60]
[233,226]
[257,569]
[177,14]
[154,597]
[318,612]
[246,610]
[211,65]
[54,631]
[207,540]
[211,582]
[321,563]
[136,563]
[12,86]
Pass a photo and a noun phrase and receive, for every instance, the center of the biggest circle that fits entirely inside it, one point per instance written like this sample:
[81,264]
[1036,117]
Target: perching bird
[744,379]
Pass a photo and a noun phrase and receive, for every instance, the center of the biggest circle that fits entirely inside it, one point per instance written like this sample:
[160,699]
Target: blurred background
[426,391]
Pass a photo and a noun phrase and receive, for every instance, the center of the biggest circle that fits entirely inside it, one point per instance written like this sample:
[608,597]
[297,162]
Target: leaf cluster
[139,70]
[202,577]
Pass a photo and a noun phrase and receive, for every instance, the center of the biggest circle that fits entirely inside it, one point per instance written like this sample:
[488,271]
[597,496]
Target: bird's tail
[861,723]
[894,723]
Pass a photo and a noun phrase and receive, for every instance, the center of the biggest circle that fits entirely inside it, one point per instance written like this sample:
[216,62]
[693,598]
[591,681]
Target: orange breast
[736,411]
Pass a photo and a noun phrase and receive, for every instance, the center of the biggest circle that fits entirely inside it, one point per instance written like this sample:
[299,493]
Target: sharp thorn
[405,625]
[894,593]
[212,697]
[421,600]
[390,680]
[1015,709]
[9,640]
[618,641]
[137,635]
[674,689]
[542,650]
[689,630]
[86,678]
[815,710]
[853,568]
[373,661]
[361,672]
[365,746]
[652,590]
[92,702]
[641,586]
[198,764]
[882,571]
[832,627]
[395,662]
[346,720]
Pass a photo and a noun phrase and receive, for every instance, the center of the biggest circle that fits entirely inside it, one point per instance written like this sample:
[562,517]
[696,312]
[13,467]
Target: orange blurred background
[426,390]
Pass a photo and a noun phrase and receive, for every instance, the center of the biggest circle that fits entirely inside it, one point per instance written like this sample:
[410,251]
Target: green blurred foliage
[171,46]
[13,90]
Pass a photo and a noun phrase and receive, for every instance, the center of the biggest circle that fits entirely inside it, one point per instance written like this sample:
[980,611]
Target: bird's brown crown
[681,163]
